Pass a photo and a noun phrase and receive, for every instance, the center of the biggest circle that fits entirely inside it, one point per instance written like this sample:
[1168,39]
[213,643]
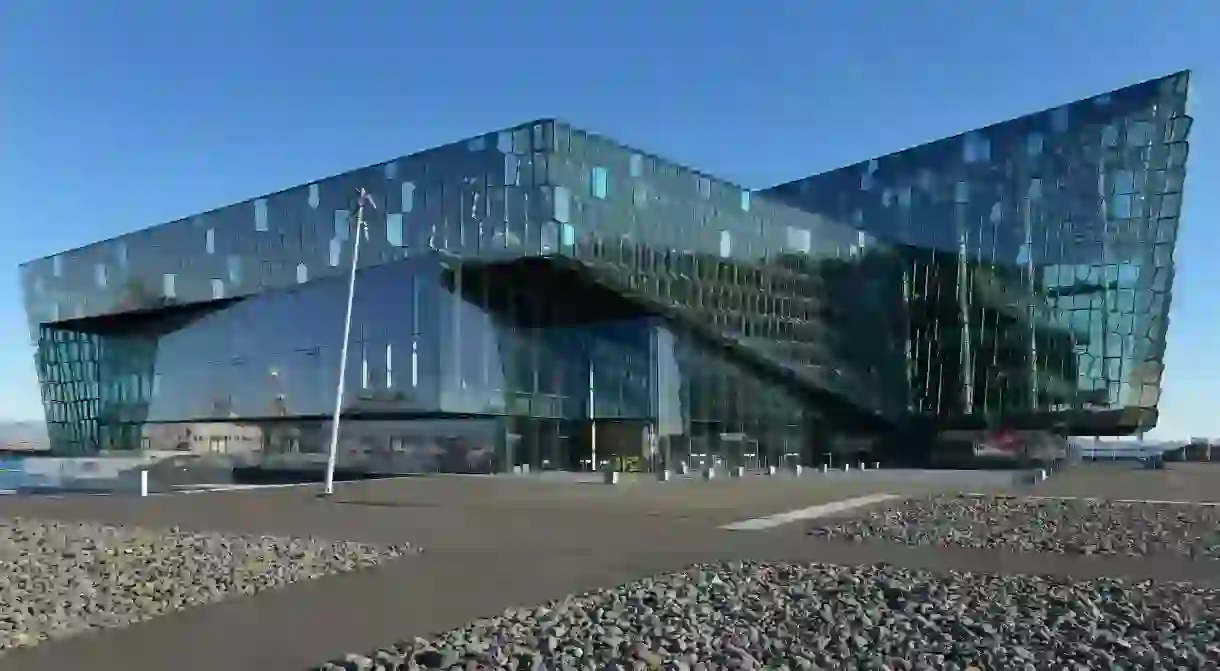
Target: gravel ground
[58,579]
[1080,527]
[752,615]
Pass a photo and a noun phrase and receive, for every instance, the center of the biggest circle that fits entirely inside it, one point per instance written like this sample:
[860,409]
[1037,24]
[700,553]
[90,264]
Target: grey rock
[1078,526]
[59,579]
[754,615]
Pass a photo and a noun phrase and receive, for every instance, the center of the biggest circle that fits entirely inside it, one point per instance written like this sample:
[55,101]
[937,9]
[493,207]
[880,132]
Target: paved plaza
[487,544]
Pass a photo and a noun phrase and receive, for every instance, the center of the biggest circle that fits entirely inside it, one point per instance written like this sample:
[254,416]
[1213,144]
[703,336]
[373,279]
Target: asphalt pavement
[490,543]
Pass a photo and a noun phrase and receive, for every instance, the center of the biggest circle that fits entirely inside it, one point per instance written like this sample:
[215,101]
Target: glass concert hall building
[542,296]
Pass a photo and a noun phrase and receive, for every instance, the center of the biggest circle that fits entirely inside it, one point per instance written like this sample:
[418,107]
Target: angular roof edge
[1186,72]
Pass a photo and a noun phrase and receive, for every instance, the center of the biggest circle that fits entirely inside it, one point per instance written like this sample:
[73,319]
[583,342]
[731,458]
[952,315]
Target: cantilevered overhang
[577,293]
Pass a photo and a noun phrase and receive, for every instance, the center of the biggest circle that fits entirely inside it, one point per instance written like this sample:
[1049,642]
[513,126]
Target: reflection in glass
[1018,274]
[260,214]
[393,229]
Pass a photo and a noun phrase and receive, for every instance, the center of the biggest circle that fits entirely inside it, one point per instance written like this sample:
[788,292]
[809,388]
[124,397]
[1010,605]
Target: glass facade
[544,297]
[1039,258]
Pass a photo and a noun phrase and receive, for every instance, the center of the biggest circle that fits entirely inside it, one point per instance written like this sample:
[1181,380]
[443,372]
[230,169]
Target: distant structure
[534,296]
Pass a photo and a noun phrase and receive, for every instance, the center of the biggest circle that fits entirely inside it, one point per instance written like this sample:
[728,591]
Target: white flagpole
[592,420]
[332,456]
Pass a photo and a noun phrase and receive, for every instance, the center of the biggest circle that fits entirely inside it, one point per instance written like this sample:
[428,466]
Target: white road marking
[1094,499]
[196,489]
[812,512]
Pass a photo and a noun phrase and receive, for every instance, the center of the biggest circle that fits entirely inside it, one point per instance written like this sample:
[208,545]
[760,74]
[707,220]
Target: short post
[771,470]
[143,482]
[877,465]
[846,468]
[739,471]
[709,473]
[611,476]
[797,469]
[664,475]
[1041,476]
[683,468]
[825,468]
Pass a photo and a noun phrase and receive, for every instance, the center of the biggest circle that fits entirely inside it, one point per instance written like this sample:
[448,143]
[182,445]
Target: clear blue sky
[119,115]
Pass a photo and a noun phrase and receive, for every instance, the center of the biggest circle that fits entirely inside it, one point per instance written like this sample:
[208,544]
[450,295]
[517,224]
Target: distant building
[535,295]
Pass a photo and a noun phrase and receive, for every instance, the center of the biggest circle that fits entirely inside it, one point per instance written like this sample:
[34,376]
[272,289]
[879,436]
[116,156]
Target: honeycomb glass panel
[569,301]
[1048,338]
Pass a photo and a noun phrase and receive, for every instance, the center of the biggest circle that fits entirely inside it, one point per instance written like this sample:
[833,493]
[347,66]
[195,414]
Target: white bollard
[664,475]
[739,471]
[143,482]
[797,470]
[709,473]
[825,468]
[846,468]
[611,477]
[1041,475]
[771,470]
[683,468]
[877,465]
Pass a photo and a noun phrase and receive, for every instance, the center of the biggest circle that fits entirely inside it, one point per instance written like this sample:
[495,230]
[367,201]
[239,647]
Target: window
[904,197]
[389,365]
[745,201]
[1140,133]
[601,182]
[799,240]
[704,186]
[342,224]
[563,204]
[391,170]
[315,197]
[637,165]
[414,362]
[1060,119]
[260,214]
[1035,189]
[209,241]
[99,275]
[639,195]
[976,148]
[234,263]
[336,249]
[726,244]
[302,273]
[1122,181]
[408,196]
[57,266]
[122,254]
[567,235]
[512,170]
[550,237]
[393,229]
[167,285]
[1033,144]
[218,289]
